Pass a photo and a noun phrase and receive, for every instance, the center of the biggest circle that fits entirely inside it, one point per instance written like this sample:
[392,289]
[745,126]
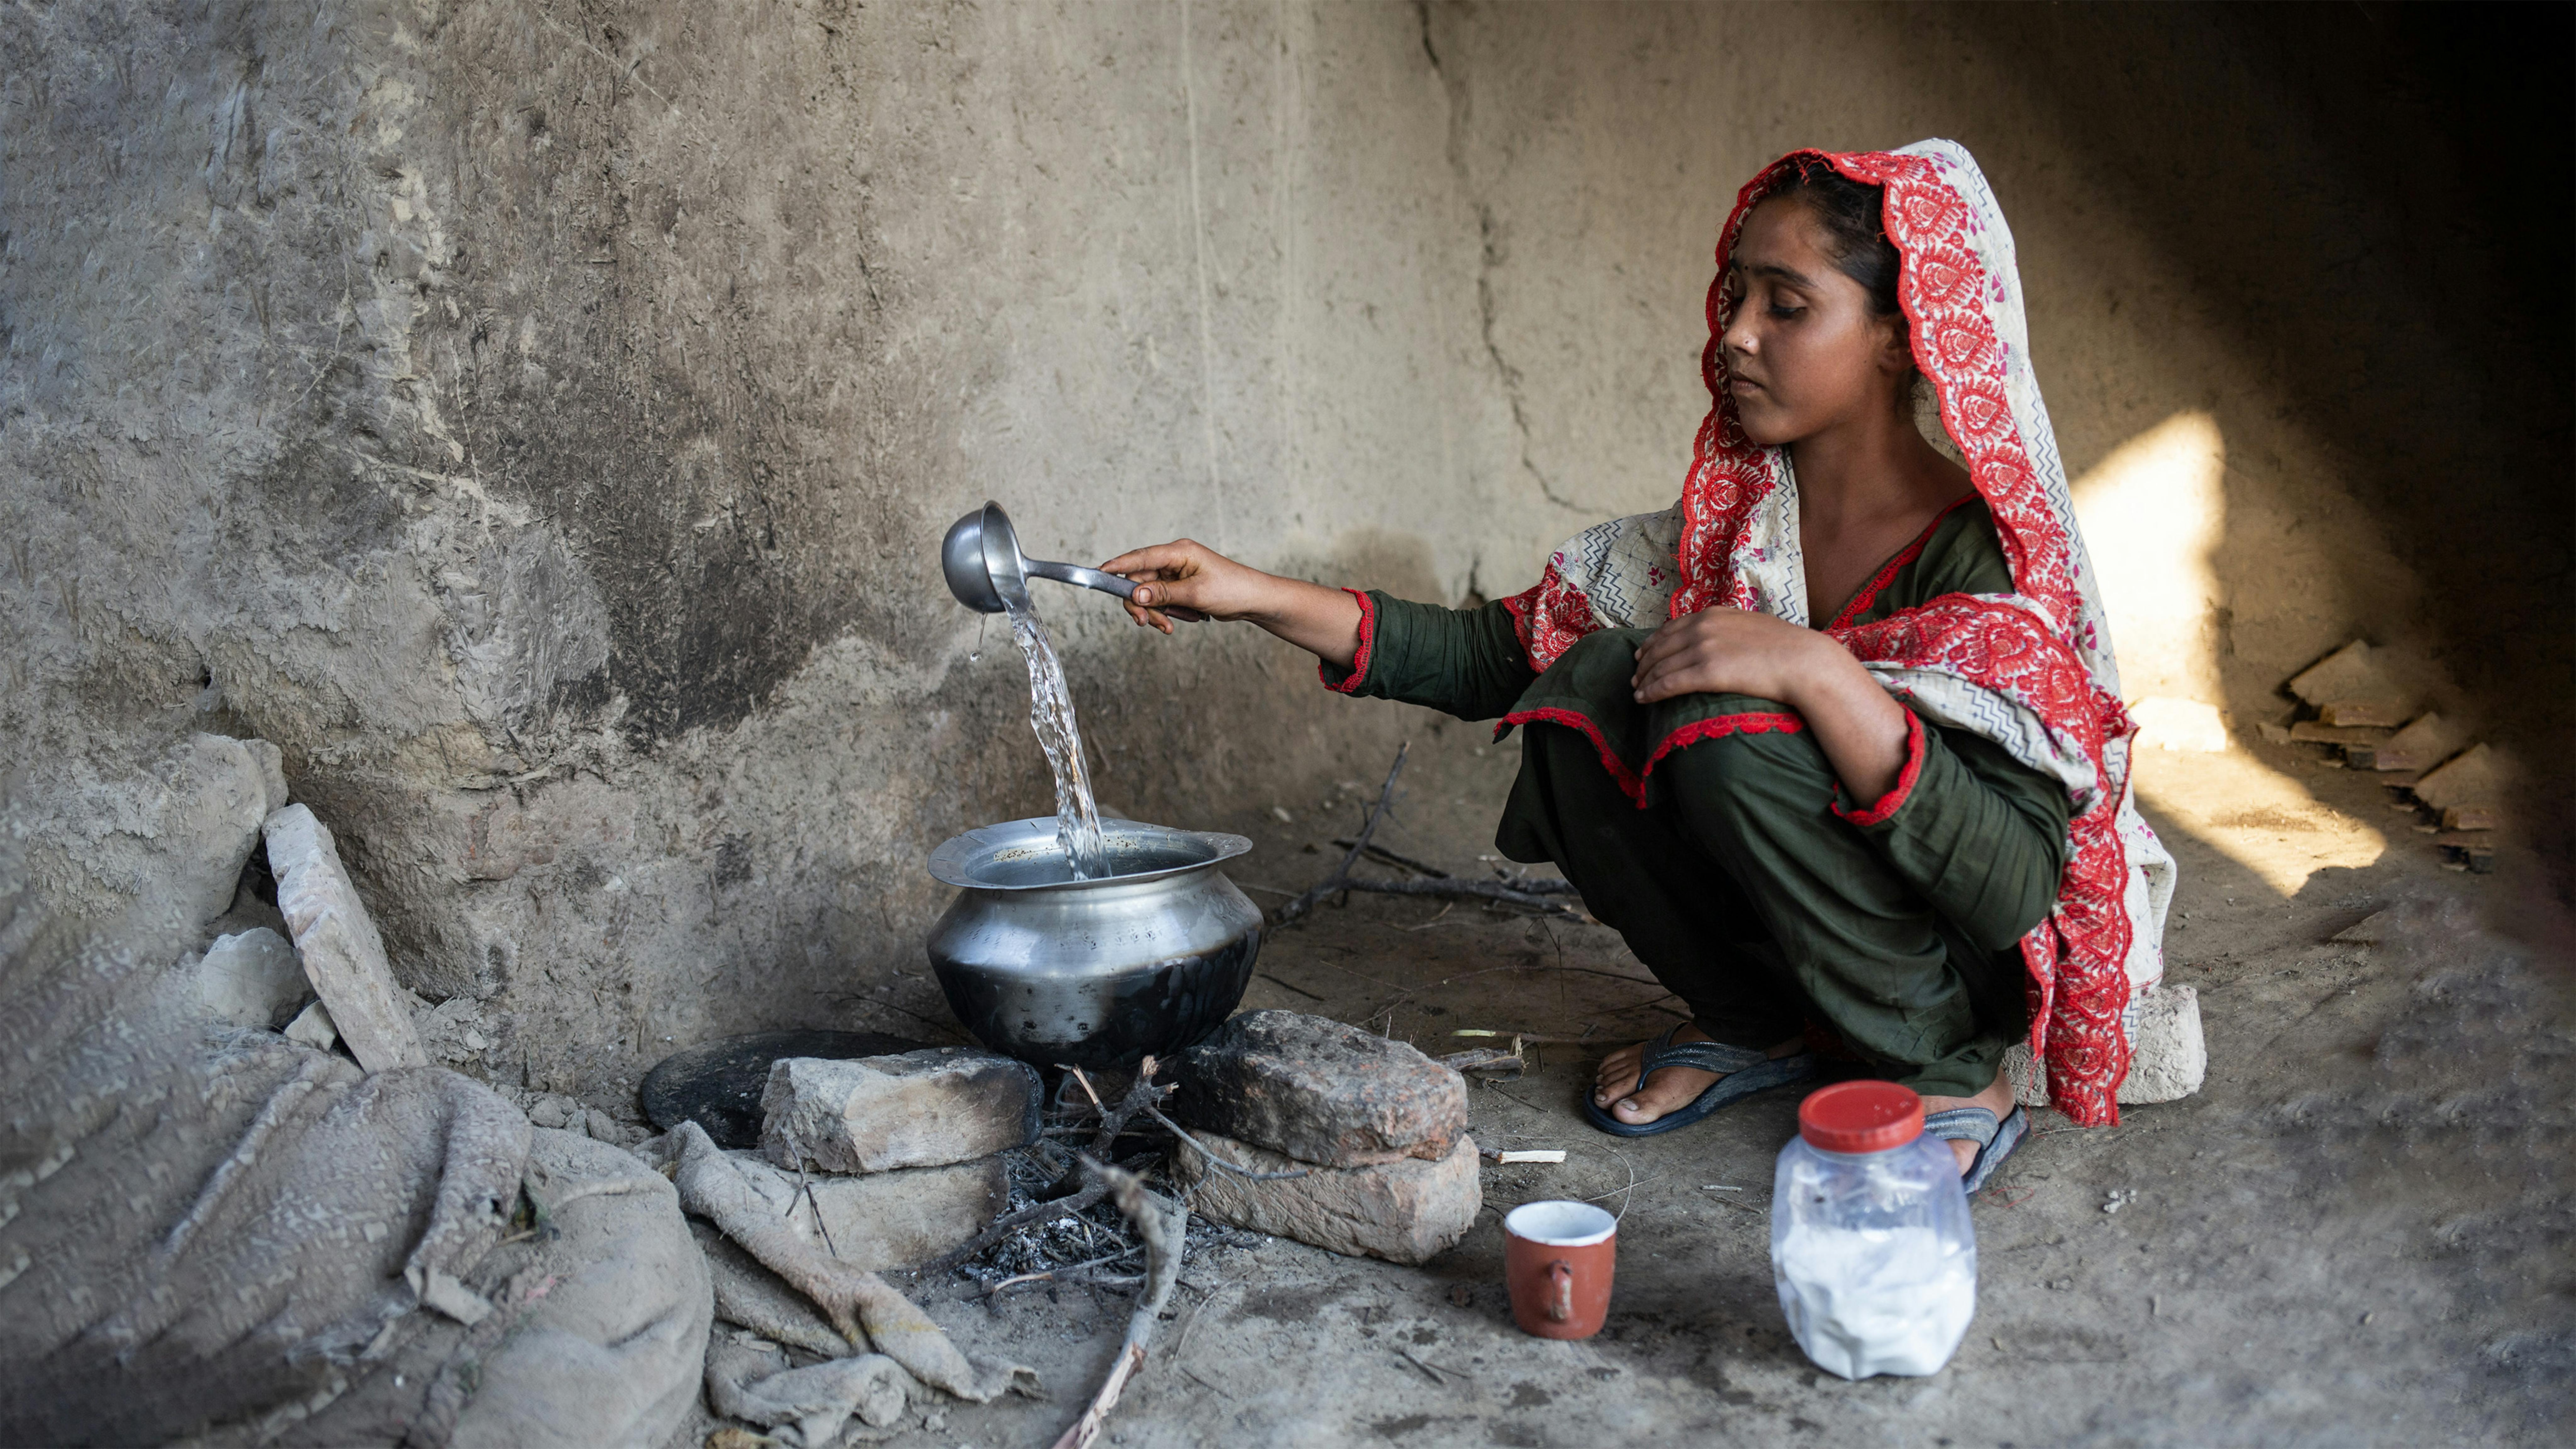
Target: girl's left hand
[1729,651]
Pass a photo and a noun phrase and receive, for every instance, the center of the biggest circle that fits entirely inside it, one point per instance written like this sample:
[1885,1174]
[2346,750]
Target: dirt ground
[2357,1232]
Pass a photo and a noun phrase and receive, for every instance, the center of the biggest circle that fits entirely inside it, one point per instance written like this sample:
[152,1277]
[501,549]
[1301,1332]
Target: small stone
[603,1128]
[313,1027]
[252,979]
[272,772]
[554,1111]
[1321,1091]
[444,1293]
[343,955]
[916,1109]
[1405,1211]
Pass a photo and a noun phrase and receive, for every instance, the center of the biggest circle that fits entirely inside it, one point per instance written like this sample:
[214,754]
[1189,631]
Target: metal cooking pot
[1093,973]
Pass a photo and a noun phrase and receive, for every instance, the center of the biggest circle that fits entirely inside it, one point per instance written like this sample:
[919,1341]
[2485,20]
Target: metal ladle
[988,573]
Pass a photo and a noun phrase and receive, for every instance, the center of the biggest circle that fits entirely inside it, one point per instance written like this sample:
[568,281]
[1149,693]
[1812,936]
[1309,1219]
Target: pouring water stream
[985,569]
[1077,814]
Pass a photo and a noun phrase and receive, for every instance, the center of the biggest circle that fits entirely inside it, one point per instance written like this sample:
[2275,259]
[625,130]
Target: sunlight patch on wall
[2153,513]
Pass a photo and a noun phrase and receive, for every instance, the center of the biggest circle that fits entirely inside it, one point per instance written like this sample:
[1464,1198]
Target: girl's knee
[1752,749]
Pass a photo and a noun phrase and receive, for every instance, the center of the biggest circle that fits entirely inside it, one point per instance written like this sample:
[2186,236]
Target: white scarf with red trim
[2031,670]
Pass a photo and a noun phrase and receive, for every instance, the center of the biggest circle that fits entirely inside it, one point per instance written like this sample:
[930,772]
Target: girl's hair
[1853,214]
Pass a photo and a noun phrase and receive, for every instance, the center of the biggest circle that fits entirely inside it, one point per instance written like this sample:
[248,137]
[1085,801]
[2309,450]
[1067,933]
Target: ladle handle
[1065,573]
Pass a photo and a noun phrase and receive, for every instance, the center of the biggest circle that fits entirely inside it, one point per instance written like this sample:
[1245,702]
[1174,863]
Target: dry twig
[1162,1225]
[1340,879]
[1437,884]
[1384,856]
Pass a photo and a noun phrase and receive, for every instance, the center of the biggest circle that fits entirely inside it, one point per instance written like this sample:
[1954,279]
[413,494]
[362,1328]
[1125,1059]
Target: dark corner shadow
[2377,201]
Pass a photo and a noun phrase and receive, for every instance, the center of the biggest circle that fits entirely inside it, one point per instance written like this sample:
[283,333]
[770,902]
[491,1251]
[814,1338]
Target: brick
[2472,777]
[885,1220]
[1320,1091]
[917,1109]
[1406,1211]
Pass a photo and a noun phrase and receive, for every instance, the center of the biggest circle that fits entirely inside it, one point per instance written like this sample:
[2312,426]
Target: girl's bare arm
[1185,575]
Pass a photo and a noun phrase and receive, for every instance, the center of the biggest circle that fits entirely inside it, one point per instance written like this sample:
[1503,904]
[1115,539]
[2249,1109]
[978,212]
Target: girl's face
[1803,351]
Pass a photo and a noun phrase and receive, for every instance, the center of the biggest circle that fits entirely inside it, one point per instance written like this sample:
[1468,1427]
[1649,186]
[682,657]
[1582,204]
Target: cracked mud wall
[538,418]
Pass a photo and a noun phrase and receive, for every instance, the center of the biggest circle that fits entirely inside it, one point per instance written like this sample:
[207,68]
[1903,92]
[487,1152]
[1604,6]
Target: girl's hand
[1187,581]
[1862,731]
[1191,581]
[1731,651]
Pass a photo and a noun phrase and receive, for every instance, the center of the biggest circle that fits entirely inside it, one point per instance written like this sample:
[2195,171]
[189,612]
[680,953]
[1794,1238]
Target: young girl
[1837,737]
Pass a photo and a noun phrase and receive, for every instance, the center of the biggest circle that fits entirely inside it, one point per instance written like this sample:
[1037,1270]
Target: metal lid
[1021,855]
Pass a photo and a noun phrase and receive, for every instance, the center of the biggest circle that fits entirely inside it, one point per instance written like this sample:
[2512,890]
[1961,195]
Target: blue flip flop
[1995,1139]
[1746,1070]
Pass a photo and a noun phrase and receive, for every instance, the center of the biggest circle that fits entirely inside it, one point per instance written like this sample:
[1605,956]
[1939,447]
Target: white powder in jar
[1865,1301]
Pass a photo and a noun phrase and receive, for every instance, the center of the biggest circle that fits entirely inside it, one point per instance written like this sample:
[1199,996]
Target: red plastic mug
[1557,1260]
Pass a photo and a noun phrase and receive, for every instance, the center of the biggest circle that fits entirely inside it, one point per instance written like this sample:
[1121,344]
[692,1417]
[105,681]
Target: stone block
[167,844]
[882,1220]
[343,956]
[917,1109]
[1405,1211]
[252,979]
[1320,1091]
[2168,1058]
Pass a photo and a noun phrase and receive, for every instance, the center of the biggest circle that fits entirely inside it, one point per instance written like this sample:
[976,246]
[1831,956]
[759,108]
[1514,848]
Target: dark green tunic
[1710,831]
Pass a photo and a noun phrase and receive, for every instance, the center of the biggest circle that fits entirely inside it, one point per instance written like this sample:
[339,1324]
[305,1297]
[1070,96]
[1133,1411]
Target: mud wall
[538,419]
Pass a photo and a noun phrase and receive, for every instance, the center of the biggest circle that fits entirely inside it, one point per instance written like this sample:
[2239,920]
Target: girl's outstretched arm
[1183,575]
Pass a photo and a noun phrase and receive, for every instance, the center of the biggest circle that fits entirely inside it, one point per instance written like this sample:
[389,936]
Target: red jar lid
[1860,1117]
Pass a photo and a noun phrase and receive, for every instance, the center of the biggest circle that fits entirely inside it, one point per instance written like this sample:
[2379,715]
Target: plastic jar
[1871,1246]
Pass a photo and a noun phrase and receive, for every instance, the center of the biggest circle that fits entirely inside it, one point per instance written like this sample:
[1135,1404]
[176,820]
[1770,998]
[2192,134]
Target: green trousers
[1748,883]
[1761,905]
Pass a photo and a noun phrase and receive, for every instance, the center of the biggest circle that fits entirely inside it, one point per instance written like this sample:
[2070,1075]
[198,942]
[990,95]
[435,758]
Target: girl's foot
[1669,1089]
[1996,1098]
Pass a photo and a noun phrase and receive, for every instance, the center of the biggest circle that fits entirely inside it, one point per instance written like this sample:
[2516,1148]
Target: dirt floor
[2357,1232]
